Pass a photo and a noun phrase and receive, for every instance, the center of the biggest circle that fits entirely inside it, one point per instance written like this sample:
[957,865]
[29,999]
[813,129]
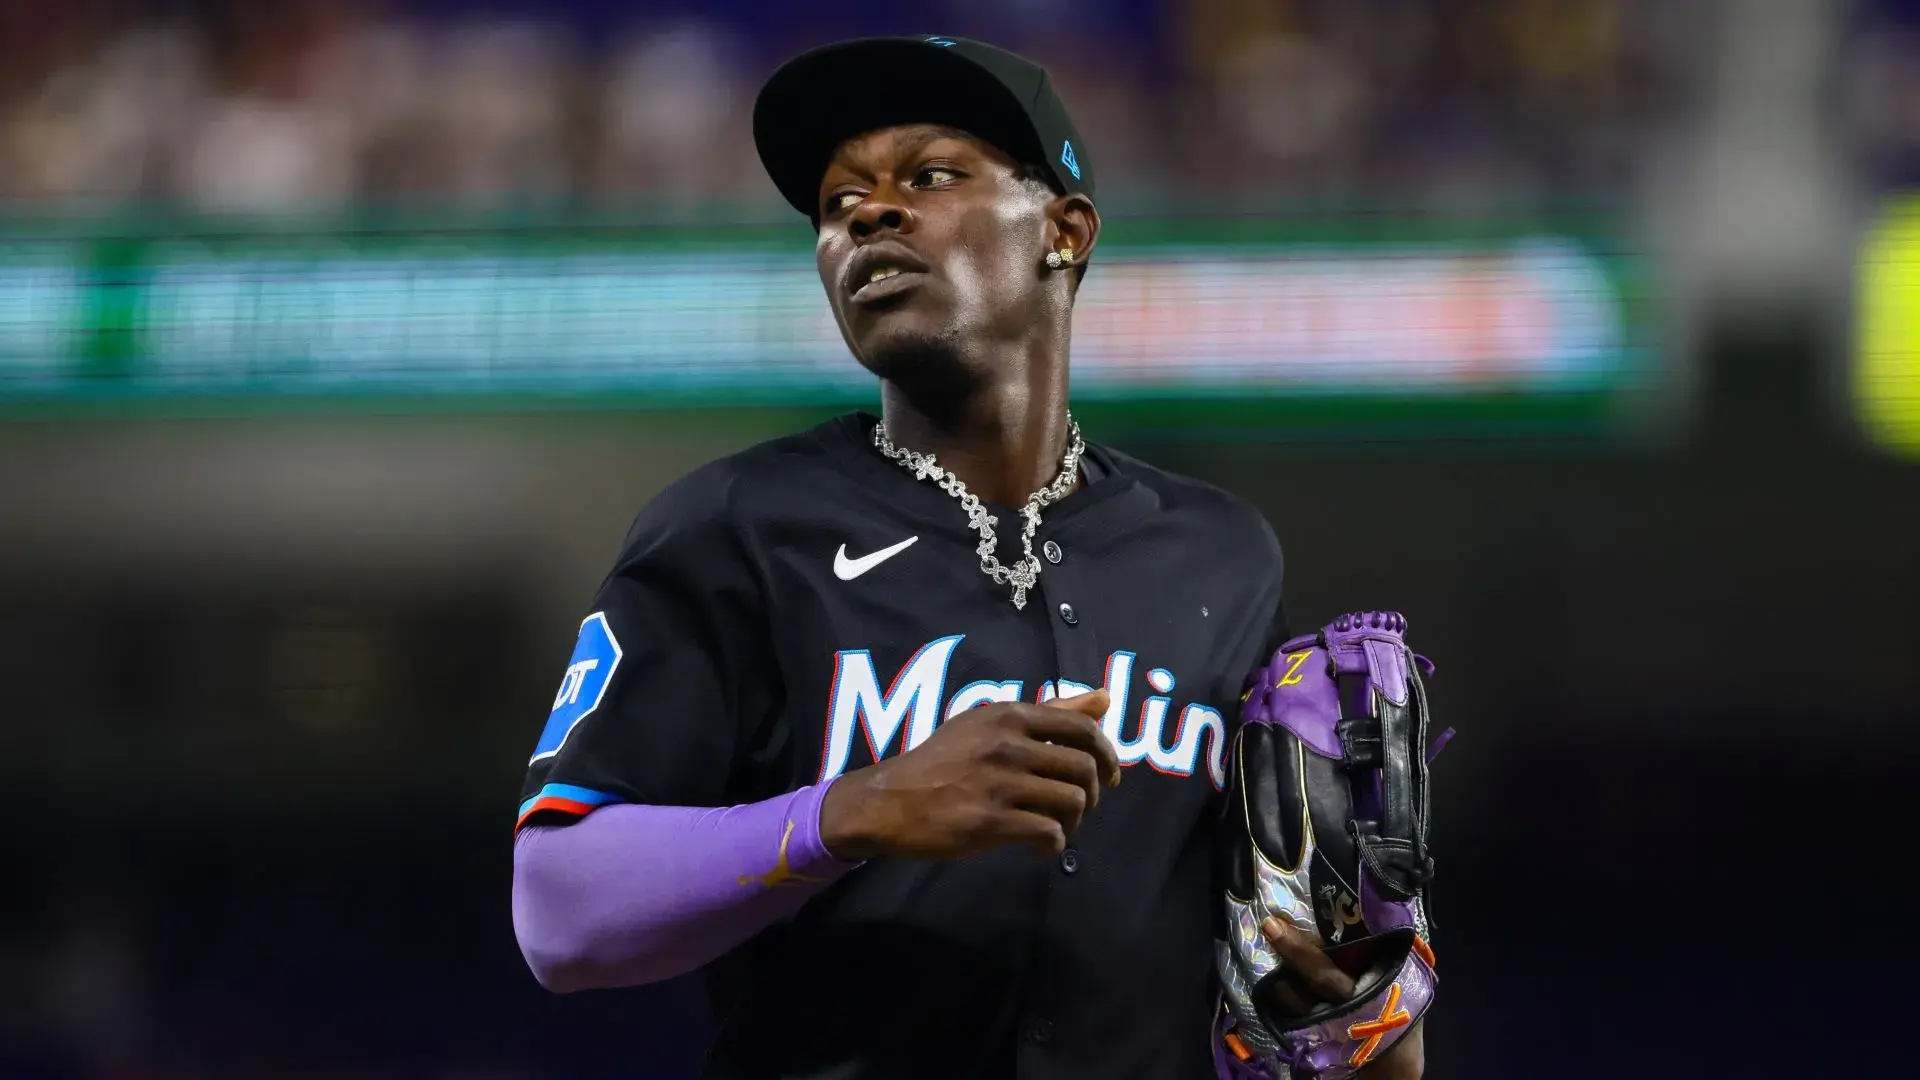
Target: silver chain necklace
[1023,574]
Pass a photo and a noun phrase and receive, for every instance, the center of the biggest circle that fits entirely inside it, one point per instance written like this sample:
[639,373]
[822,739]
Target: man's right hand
[1000,774]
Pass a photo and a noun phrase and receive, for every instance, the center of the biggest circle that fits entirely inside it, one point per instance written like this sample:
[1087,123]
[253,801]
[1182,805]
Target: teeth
[883,273]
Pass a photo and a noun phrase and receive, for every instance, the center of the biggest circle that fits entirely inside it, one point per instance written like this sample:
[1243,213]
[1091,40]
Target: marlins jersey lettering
[806,608]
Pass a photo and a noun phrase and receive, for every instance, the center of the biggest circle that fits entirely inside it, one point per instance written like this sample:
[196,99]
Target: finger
[1063,802]
[1289,999]
[1092,703]
[1037,831]
[1309,964]
[1056,762]
[1080,731]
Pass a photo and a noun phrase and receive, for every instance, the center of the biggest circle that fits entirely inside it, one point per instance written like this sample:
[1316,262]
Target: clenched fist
[1000,774]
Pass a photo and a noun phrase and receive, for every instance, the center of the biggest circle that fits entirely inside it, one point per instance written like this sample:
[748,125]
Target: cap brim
[820,99]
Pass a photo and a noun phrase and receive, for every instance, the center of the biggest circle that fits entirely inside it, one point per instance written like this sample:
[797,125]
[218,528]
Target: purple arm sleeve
[635,894]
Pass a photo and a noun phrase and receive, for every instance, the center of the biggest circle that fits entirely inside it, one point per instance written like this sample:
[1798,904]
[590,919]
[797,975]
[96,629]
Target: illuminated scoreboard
[1248,325]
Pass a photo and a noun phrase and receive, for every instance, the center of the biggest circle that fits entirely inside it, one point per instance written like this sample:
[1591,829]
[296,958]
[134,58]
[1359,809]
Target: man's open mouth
[881,271]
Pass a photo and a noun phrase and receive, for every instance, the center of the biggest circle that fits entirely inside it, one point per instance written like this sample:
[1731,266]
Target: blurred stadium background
[340,340]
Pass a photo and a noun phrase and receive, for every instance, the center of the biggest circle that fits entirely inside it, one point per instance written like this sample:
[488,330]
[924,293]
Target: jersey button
[1042,1031]
[1070,861]
[1052,551]
[1068,615]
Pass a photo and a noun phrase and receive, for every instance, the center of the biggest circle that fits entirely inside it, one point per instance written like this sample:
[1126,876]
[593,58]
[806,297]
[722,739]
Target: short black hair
[1036,173]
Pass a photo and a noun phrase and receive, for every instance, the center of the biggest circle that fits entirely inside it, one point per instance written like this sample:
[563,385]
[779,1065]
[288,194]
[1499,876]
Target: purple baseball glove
[1326,828]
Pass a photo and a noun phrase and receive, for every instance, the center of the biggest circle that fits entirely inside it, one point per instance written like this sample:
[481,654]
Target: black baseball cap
[821,98]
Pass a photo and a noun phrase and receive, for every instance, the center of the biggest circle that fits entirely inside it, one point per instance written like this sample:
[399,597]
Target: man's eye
[840,201]
[934,176]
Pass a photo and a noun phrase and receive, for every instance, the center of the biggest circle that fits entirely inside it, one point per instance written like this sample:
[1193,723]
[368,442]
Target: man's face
[930,247]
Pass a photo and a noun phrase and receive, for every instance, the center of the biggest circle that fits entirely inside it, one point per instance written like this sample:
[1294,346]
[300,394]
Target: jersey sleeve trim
[569,799]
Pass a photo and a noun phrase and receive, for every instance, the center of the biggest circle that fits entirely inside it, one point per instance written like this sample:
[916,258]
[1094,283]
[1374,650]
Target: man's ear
[1076,225]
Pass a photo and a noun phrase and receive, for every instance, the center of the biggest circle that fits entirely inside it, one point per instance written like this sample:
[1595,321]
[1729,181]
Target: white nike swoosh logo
[847,569]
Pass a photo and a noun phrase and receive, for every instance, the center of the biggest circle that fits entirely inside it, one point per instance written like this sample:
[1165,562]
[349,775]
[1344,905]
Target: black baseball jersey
[806,607]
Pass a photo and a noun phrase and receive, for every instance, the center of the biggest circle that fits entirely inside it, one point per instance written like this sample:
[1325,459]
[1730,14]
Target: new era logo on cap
[821,98]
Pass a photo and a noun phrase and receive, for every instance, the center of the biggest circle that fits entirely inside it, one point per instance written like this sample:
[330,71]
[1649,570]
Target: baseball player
[911,731]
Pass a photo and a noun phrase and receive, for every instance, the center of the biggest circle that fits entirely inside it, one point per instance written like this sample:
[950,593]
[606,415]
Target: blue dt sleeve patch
[595,656]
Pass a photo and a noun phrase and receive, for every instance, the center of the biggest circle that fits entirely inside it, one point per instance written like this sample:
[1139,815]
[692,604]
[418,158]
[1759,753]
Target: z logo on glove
[1293,676]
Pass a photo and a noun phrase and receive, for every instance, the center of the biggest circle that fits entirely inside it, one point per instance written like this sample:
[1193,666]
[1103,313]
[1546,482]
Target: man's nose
[878,212]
